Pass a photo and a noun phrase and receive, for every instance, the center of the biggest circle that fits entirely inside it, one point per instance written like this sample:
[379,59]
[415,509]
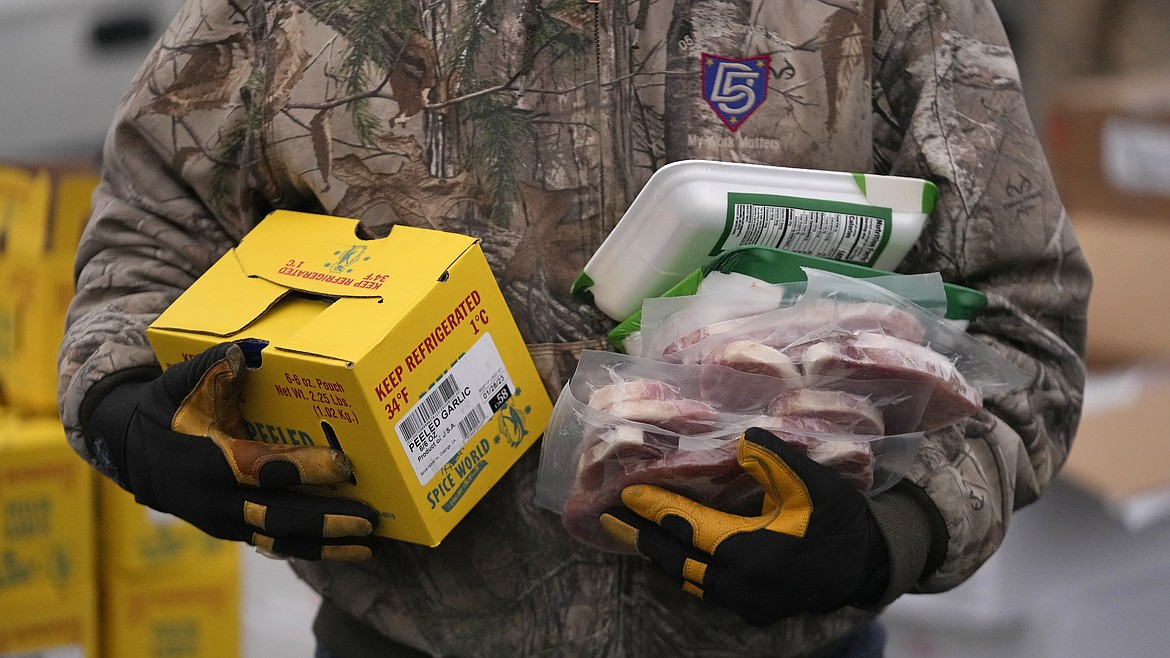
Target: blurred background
[1085,571]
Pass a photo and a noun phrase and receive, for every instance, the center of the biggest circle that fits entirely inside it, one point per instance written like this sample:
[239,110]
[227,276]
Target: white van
[64,65]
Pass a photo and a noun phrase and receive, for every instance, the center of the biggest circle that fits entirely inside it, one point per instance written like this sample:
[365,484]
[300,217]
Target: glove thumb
[211,408]
[789,477]
[206,391]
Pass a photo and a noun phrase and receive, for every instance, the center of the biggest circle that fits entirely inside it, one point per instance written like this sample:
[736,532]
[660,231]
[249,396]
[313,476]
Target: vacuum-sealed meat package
[850,328]
[625,420]
[847,371]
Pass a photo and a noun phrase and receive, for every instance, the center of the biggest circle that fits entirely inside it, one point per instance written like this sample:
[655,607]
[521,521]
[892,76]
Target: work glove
[175,442]
[814,548]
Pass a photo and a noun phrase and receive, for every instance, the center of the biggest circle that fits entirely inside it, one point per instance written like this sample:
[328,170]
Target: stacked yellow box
[48,591]
[42,213]
[167,588]
[85,571]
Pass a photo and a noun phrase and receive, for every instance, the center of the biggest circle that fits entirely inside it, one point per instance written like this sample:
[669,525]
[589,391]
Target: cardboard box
[136,539]
[1108,142]
[43,210]
[1121,454]
[399,351]
[49,633]
[192,613]
[1129,308]
[46,516]
[167,588]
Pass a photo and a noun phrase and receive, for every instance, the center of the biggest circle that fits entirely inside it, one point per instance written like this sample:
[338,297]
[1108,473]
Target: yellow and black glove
[814,548]
[175,442]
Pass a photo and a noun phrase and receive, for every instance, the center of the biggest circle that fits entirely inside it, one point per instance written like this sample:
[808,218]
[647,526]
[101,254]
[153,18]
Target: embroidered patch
[734,88]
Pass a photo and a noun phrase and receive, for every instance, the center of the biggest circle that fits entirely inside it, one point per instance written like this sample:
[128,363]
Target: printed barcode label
[455,408]
[473,421]
[439,396]
[846,232]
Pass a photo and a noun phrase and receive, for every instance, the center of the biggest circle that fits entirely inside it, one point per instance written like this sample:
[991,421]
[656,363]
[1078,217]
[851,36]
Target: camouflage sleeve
[948,107]
[169,177]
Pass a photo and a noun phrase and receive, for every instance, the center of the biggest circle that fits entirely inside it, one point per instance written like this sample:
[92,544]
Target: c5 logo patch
[734,88]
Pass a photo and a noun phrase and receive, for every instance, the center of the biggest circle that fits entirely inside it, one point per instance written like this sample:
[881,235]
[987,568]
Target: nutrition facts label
[455,408]
[844,232]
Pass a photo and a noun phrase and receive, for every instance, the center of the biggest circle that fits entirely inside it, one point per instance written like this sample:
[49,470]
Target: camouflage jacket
[532,124]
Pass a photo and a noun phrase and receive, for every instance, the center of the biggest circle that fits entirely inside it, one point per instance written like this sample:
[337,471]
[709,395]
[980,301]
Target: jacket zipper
[600,118]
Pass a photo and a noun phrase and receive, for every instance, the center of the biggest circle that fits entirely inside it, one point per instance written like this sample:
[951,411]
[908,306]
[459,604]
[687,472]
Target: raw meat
[698,335]
[852,460]
[754,357]
[846,412]
[876,356]
[604,397]
[827,318]
[861,348]
[712,477]
[817,320]
[622,455]
[655,403]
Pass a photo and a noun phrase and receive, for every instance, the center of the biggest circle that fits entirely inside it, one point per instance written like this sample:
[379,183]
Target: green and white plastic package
[694,210]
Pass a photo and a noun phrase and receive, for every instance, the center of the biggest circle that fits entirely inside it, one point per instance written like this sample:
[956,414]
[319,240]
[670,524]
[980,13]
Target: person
[532,124]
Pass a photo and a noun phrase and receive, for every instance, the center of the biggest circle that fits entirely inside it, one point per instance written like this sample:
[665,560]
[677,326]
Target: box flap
[323,255]
[410,262]
[222,302]
[372,282]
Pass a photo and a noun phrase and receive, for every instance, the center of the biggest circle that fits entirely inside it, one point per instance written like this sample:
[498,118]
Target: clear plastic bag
[856,328]
[846,369]
[625,420]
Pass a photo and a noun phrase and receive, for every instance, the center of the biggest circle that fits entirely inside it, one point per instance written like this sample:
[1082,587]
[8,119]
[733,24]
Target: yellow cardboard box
[399,351]
[48,586]
[42,213]
[137,539]
[167,588]
[69,632]
[189,613]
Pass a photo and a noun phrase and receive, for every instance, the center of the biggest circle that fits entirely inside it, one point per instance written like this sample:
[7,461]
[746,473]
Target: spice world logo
[347,259]
[734,88]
